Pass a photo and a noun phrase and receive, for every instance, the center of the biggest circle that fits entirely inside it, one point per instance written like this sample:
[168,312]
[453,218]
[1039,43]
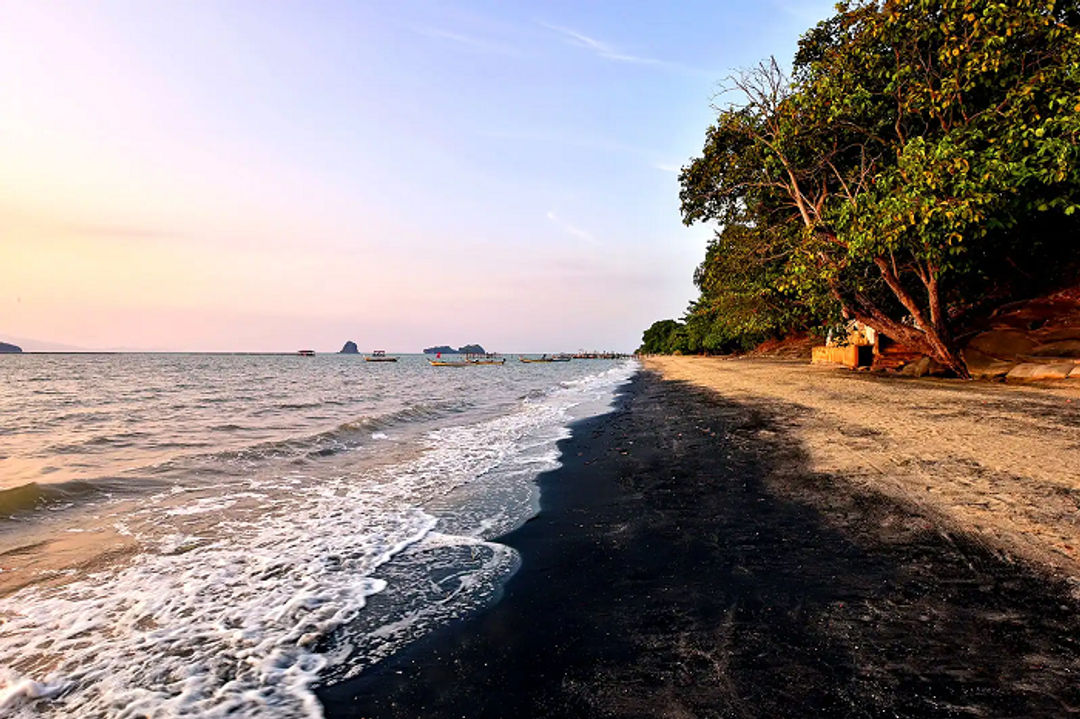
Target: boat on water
[561,358]
[306,353]
[543,358]
[485,359]
[449,363]
[379,356]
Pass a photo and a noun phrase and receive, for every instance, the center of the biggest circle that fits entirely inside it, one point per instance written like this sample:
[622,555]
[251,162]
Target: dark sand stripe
[685,564]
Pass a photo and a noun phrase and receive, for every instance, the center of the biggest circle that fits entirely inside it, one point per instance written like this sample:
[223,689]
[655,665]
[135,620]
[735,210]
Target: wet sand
[691,559]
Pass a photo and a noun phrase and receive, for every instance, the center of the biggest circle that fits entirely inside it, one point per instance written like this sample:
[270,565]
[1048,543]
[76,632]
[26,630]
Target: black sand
[685,564]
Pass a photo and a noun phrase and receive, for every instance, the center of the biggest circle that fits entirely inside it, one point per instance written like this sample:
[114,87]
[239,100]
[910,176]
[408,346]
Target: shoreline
[687,561]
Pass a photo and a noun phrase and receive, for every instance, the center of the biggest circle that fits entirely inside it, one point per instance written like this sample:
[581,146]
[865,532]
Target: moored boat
[449,363]
[485,359]
[379,356]
[306,353]
[543,358]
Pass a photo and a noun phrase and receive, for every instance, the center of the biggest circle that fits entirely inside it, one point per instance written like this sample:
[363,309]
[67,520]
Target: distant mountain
[349,349]
[5,348]
[30,344]
[448,350]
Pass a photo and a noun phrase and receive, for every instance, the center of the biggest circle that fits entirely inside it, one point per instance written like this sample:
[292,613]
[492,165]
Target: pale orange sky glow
[262,177]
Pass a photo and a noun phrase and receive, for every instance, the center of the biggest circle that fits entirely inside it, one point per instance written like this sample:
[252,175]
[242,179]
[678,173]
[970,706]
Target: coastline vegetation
[919,167]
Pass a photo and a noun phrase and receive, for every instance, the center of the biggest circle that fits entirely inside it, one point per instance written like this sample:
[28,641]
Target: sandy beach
[998,463]
[705,553]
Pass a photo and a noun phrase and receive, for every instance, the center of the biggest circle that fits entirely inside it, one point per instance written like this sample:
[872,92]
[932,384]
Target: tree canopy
[920,162]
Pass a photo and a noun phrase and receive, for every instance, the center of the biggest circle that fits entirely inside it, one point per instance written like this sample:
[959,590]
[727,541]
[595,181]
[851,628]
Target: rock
[1058,334]
[1075,374]
[444,349]
[918,368]
[349,349]
[1002,344]
[1035,371]
[1064,348]
[982,365]
[471,350]
[9,348]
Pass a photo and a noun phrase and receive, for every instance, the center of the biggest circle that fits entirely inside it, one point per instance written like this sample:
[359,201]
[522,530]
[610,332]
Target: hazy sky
[270,176]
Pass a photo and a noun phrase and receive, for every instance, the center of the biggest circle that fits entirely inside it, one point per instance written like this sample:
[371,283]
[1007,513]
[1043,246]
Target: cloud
[569,228]
[665,167]
[598,47]
[468,41]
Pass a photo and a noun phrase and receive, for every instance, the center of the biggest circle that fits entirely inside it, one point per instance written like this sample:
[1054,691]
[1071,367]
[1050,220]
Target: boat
[485,359]
[306,353]
[543,358]
[561,358]
[449,363]
[379,356]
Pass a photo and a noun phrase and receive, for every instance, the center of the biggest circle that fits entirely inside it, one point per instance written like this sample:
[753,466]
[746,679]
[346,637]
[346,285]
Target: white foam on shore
[239,601]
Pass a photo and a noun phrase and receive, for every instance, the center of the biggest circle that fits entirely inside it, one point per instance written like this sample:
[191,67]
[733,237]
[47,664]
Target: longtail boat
[485,359]
[449,363]
[379,356]
[545,358]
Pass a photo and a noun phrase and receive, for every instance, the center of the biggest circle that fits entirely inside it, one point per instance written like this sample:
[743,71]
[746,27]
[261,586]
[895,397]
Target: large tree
[903,167]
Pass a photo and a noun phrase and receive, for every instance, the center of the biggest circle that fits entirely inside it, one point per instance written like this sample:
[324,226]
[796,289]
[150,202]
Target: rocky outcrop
[349,349]
[1032,340]
[448,350]
[9,348]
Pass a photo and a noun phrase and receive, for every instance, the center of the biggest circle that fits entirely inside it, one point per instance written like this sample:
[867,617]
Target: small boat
[379,356]
[561,358]
[485,359]
[543,358]
[449,363]
[306,353]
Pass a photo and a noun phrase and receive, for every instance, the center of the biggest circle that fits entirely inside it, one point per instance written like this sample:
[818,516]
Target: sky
[252,175]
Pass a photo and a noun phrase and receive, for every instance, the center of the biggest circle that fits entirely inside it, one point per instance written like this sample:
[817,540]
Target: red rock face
[1031,340]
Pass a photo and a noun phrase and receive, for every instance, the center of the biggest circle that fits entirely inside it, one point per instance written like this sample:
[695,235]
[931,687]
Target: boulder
[1057,334]
[349,349]
[1063,348]
[1075,374]
[1003,344]
[1035,371]
[982,365]
[918,368]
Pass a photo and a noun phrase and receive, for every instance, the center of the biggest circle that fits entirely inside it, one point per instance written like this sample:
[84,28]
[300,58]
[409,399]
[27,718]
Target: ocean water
[215,535]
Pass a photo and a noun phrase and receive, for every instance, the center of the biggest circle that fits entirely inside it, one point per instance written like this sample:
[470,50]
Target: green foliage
[923,158]
[663,337]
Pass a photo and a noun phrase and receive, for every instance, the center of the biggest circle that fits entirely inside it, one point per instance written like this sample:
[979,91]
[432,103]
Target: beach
[763,539]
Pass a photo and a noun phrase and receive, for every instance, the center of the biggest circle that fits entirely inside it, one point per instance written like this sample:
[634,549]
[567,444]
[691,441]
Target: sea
[209,535]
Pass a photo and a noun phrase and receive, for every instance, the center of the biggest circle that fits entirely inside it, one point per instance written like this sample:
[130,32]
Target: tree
[897,169]
[660,337]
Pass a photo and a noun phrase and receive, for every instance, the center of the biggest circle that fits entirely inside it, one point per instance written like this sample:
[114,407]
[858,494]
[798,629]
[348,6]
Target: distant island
[6,348]
[349,349]
[448,350]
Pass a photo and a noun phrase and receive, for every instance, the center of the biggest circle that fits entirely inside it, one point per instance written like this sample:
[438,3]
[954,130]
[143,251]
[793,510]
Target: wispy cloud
[667,167]
[607,51]
[467,41]
[570,229]
[599,47]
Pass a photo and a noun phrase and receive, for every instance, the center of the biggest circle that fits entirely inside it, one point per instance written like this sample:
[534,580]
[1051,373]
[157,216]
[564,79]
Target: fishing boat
[543,358]
[306,353]
[379,356]
[485,359]
[449,363]
[561,358]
